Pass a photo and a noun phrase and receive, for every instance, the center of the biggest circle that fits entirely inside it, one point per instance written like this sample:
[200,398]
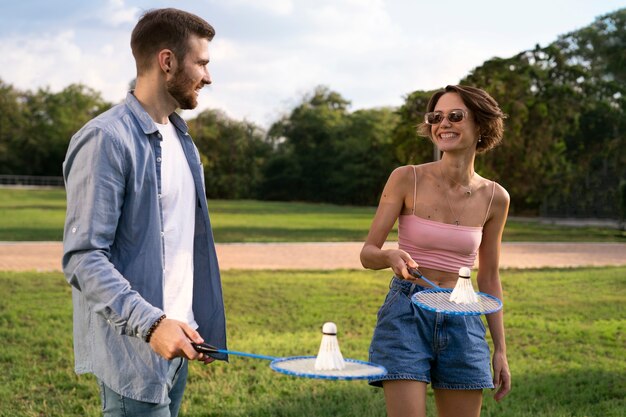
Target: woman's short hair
[482,107]
[168,28]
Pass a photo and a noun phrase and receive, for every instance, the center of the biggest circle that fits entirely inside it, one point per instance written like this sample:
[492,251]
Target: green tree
[51,120]
[324,153]
[232,152]
[364,157]
[12,126]
[410,148]
[308,137]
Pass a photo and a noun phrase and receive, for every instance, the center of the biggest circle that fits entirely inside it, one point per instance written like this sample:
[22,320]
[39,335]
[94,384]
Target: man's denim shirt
[113,250]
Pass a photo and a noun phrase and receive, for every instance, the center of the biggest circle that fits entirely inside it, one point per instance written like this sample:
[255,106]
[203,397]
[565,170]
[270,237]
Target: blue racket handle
[208,349]
[417,274]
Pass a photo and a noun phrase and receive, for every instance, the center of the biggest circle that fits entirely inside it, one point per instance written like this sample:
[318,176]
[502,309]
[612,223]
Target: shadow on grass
[583,392]
[285,396]
[35,234]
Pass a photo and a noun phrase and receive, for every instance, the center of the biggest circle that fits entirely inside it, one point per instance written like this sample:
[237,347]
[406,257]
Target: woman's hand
[501,375]
[398,261]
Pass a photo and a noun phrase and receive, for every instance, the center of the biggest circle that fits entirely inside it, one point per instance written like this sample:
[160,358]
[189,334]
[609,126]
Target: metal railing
[30,181]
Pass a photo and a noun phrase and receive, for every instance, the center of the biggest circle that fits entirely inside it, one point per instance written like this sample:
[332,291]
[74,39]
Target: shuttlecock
[329,357]
[463,292]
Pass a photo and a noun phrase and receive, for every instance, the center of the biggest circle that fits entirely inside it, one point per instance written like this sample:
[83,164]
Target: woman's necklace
[468,189]
[468,193]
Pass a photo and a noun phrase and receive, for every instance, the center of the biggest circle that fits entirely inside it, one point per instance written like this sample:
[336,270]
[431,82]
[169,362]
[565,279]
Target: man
[138,245]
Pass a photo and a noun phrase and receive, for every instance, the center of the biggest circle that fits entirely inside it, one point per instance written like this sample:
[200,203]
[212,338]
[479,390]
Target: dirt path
[46,256]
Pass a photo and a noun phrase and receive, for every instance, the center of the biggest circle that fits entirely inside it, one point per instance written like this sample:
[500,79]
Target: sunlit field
[565,333]
[38,215]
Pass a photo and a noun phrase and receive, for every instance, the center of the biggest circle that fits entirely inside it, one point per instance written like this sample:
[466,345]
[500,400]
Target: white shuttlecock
[463,292]
[329,357]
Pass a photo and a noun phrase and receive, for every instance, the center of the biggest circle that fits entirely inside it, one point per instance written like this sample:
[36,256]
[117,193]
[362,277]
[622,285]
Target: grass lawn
[565,332]
[38,215]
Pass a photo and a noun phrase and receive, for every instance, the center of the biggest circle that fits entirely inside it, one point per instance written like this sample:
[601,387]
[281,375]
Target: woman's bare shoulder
[402,174]
[501,194]
[501,199]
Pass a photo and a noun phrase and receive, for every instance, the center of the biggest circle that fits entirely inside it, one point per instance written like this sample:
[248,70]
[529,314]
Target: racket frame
[437,289]
[448,291]
[276,361]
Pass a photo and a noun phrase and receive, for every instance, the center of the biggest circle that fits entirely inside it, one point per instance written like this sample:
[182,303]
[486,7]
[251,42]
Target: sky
[269,54]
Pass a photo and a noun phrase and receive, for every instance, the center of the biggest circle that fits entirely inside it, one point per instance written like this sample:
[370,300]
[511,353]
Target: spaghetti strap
[414,188]
[493,192]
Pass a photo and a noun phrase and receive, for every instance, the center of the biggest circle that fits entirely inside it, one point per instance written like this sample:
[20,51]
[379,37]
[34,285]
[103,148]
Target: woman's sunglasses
[436,117]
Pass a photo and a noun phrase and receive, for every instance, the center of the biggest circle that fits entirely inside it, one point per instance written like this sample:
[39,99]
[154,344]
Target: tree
[562,152]
[364,157]
[410,148]
[232,152]
[324,153]
[38,126]
[306,145]
[12,125]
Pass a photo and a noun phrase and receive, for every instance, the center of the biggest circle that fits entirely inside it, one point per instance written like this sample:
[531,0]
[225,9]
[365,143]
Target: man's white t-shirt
[178,199]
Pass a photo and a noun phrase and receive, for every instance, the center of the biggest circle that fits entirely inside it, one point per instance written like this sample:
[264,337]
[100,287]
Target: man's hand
[172,339]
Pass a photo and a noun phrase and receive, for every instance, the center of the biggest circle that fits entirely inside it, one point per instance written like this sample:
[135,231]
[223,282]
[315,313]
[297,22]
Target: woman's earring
[480,138]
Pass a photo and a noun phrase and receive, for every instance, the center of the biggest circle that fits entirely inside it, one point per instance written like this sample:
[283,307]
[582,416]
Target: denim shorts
[449,352]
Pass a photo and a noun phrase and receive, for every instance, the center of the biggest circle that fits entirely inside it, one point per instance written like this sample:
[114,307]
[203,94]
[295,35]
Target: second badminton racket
[437,300]
[304,366]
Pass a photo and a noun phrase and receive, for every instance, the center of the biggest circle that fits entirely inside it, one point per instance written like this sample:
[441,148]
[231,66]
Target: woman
[447,216]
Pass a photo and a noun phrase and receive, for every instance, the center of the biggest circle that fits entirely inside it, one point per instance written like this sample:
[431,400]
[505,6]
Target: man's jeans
[115,405]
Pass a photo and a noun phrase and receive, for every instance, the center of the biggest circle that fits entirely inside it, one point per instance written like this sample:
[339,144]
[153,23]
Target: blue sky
[267,54]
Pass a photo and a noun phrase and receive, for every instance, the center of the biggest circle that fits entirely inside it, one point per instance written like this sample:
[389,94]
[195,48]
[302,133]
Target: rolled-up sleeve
[95,179]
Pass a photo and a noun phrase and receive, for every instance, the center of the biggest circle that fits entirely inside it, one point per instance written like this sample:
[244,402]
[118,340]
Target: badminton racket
[304,366]
[437,300]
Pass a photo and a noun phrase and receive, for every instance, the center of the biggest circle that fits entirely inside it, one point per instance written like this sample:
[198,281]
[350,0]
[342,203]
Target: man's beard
[182,88]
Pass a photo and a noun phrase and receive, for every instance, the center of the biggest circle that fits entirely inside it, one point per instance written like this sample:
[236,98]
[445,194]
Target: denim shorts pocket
[392,295]
[476,327]
[482,324]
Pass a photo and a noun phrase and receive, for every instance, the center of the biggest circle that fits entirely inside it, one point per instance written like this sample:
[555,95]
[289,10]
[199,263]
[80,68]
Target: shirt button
[162,234]
[159,196]
[159,135]
[159,159]
[73,230]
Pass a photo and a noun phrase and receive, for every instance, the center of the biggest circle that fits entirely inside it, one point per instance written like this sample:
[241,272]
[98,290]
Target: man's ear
[167,60]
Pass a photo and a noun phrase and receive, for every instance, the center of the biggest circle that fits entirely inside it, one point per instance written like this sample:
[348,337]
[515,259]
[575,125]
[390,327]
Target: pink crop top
[436,245]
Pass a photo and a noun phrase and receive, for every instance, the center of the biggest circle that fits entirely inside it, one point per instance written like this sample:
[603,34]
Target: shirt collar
[145,121]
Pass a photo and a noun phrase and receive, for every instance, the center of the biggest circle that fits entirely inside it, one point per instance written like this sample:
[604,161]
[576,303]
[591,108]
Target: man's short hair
[169,28]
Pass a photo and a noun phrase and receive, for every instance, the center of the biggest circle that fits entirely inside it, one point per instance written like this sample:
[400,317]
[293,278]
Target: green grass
[565,333]
[268,221]
[31,215]
[38,215]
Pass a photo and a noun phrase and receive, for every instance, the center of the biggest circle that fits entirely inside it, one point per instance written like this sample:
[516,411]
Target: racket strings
[439,301]
[305,366]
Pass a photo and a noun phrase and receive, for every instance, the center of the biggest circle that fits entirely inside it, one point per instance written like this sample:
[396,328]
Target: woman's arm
[392,201]
[489,282]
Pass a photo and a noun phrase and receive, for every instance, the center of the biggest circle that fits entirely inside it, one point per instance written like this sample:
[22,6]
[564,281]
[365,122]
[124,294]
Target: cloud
[115,12]
[56,60]
[274,7]
[268,54]
[351,46]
